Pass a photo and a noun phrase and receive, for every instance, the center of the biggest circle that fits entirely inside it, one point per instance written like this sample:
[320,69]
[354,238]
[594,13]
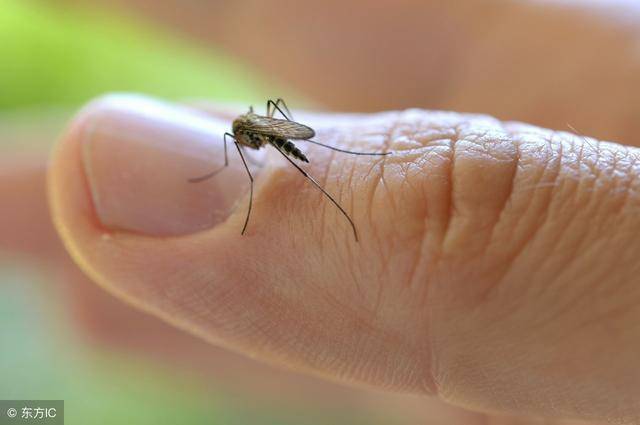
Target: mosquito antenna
[344,150]
[246,167]
[316,184]
[213,173]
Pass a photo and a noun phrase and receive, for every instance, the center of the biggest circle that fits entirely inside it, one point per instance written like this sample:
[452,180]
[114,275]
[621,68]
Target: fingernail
[138,156]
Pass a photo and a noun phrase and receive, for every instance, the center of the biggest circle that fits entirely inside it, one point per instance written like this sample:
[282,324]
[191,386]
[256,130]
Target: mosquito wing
[278,128]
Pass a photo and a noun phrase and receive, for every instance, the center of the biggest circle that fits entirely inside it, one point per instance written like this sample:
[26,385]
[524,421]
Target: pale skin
[497,268]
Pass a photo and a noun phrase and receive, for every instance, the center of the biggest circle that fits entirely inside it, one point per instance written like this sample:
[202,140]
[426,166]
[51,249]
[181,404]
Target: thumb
[496,264]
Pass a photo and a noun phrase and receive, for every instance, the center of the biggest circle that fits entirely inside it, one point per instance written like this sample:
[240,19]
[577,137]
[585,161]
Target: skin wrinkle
[436,254]
[571,304]
[424,256]
[608,187]
[322,361]
[421,255]
[325,203]
[352,212]
[323,212]
[560,183]
[189,299]
[371,227]
[361,317]
[516,131]
[626,190]
[226,300]
[483,140]
[611,293]
[562,157]
[124,259]
[384,250]
[563,309]
[501,210]
[430,387]
[630,158]
[380,290]
[338,196]
[615,160]
[388,142]
[450,201]
[339,193]
[523,244]
[332,300]
[254,327]
[578,245]
[630,261]
[385,259]
[612,313]
[313,330]
[379,164]
[496,394]
[422,233]
[300,339]
[596,171]
[512,180]
[615,313]
[322,180]
[430,384]
[633,188]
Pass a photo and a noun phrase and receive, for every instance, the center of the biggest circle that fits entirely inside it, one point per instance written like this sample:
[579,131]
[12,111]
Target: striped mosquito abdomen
[289,148]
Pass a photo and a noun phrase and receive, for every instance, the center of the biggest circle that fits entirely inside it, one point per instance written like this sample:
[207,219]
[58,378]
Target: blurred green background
[62,56]
[54,59]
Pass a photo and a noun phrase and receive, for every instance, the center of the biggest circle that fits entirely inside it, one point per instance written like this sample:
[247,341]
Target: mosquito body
[255,131]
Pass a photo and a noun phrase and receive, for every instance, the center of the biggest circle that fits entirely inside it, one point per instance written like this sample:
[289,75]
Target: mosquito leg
[213,173]
[284,105]
[270,110]
[273,106]
[316,184]
[344,150]
[246,221]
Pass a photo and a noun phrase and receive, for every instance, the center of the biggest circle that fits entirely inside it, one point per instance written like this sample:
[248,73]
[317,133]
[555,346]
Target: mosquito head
[239,129]
[238,124]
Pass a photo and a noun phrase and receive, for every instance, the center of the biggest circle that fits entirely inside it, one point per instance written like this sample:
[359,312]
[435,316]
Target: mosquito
[254,131]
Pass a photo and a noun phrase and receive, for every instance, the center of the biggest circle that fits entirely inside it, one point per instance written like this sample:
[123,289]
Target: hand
[101,320]
[527,51]
[496,265]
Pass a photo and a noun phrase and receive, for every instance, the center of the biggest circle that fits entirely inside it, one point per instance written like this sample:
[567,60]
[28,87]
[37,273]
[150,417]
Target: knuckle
[464,191]
[453,176]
